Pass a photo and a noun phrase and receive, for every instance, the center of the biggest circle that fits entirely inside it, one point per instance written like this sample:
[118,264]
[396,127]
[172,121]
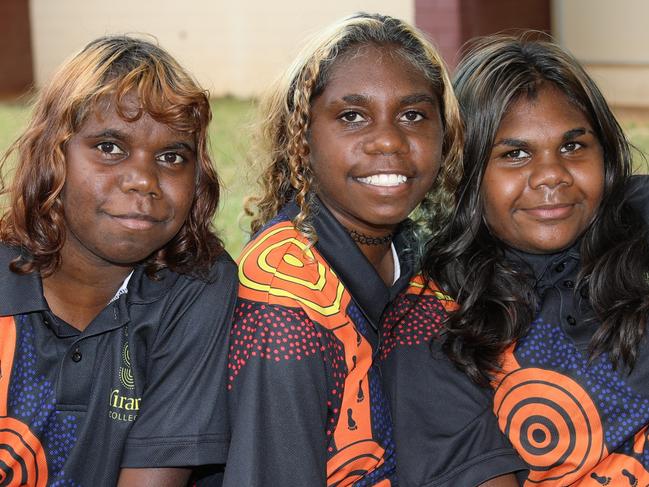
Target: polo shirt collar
[23,293]
[19,293]
[547,269]
[351,266]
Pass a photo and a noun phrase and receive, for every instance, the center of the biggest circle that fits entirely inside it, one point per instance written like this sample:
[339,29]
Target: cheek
[592,184]
[181,195]
[494,197]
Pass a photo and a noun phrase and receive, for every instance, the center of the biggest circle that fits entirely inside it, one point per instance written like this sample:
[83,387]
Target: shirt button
[76,356]
[571,320]
[560,267]
[569,284]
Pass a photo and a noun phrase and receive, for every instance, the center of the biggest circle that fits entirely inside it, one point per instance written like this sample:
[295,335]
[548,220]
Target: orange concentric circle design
[22,459]
[552,422]
[353,462]
[281,264]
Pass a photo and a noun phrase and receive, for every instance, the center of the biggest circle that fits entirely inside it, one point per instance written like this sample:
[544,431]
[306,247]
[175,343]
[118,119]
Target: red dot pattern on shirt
[411,320]
[277,334]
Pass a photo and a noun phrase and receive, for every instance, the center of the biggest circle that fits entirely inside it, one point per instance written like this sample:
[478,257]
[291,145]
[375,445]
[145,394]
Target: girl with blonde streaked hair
[362,129]
[116,294]
[282,152]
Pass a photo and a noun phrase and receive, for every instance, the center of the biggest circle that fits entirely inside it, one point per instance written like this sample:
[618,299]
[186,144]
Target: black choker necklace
[368,239]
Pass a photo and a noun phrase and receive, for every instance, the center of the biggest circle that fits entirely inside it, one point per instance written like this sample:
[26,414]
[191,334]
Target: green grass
[638,134]
[229,140]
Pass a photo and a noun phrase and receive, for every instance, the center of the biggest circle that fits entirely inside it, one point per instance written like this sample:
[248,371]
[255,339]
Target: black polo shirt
[554,416]
[142,386]
[306,398]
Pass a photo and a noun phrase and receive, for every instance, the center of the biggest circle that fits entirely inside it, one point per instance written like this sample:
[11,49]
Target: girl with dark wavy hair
[547,262]
[117,295]
[361,129]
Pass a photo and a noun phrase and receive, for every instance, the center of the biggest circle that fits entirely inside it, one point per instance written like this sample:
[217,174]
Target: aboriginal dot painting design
[293,307]
[35,434]
[571,422]
[414,317]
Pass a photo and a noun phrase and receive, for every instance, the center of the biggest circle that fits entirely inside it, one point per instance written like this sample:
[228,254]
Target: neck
[77,293]
[380,256]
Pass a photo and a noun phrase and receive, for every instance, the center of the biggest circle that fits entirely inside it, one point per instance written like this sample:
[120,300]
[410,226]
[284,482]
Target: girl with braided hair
[362,129]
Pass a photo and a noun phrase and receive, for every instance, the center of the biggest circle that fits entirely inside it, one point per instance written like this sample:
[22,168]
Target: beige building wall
[232,46]
[611,38]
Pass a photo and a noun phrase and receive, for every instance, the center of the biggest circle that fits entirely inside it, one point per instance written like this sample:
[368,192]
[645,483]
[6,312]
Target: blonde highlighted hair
[282,148]
[107,69]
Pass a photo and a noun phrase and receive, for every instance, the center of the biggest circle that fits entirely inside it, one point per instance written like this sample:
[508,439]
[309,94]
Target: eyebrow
[109,133]
[120,135]
[180,146]
[511,142]
[415,98]
[570,134]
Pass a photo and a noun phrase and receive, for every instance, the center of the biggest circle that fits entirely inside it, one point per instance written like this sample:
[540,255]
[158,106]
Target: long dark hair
[107,68]
[496,298]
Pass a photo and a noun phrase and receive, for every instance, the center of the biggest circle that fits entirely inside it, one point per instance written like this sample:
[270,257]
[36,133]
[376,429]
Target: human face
[375,140]
[545,177]
[129,187]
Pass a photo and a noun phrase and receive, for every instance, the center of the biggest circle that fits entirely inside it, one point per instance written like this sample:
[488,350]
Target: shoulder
[421,288]
[219,285]
[174,298]
[280,266]
[637,194]
[415,318]
[275,251]
[7,254]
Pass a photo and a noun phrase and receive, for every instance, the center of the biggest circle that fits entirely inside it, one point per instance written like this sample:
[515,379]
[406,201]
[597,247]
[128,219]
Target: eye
[517,155]
[412,116]
[109,148]
[352,117]
[571,147]
[170,158]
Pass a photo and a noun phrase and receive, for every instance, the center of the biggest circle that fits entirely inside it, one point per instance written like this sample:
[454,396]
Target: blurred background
[235,48]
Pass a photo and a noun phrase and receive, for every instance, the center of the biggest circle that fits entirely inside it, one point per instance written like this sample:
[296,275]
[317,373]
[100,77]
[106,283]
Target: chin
[126,257]
[387,219]
[549,248]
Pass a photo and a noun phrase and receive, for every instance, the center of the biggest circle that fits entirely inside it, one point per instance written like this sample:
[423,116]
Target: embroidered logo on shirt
[125,372]
[124,406]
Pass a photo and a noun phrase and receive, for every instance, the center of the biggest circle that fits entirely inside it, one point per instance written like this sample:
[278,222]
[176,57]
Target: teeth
[384,179]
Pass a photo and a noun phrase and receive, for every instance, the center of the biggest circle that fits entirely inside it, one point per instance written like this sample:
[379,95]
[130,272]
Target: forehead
[548,110]
[128,117]
[372,67]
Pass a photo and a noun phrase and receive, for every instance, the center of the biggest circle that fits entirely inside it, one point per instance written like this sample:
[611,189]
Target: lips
[384,180]
[137,221]
[550,212]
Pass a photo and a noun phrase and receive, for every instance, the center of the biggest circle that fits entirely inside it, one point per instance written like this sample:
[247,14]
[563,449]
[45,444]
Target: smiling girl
[548,263]
[117,296]
[356,133]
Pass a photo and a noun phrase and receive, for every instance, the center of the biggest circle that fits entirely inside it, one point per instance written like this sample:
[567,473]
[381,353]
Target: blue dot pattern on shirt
[357,317]
[33,396]
[621,409]
[381,424]
[383,428]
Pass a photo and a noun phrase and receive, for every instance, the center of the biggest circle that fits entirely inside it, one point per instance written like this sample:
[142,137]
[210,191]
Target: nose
[386,138]
[551,171]
[140,175]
